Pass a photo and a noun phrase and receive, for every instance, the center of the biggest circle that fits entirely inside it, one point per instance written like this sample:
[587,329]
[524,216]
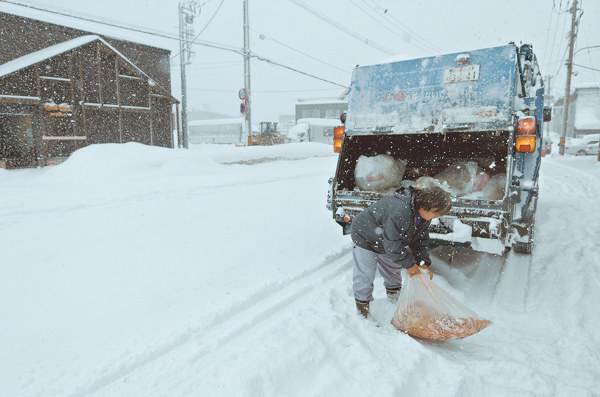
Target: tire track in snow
[231,324]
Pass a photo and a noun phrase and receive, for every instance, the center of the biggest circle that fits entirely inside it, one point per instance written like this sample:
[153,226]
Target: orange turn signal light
[525,144]
[338,132]
[337,145]
[526,125]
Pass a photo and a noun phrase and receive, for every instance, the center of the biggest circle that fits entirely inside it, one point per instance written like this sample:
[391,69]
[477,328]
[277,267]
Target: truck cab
[472,118]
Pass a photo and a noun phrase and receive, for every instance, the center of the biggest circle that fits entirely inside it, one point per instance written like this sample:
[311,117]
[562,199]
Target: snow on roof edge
[45,53]
[60,48]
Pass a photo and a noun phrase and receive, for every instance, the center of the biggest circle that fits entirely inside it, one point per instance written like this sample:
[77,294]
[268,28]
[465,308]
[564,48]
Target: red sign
[242,94]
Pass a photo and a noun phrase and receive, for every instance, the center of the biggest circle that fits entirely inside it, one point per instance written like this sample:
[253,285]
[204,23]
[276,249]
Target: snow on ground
[137,271]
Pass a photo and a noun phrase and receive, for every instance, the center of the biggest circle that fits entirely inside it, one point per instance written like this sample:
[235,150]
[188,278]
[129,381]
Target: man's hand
[416,269]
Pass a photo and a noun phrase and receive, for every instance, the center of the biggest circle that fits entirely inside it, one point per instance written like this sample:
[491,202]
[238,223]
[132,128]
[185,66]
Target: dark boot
[363,308]
[393,294]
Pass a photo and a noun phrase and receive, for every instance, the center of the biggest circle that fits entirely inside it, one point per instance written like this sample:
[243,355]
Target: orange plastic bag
[427,311]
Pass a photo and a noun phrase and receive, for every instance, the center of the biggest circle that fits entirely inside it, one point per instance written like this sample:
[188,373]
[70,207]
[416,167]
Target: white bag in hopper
[460,177]
[378,173]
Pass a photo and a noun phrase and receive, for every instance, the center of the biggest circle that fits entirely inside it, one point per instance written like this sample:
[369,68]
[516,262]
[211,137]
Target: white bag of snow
[378,173]
[494,189]
[460,178]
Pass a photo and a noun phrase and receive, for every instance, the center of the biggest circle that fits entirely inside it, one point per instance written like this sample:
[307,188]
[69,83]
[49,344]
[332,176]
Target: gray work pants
[366,264]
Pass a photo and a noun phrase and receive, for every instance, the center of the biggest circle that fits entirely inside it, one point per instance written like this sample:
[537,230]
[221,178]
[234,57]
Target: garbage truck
[470,122]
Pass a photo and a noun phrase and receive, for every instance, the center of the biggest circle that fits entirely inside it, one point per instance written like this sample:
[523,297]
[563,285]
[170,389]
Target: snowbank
[140,271]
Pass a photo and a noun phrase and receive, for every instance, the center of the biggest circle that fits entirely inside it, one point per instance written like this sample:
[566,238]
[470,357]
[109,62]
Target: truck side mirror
[343,118]
[547,113]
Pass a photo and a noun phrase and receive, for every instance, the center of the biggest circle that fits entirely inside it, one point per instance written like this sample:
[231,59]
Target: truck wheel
[527,247]
[580,153]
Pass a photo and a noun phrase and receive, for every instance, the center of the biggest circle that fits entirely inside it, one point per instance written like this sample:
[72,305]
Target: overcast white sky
[327,39]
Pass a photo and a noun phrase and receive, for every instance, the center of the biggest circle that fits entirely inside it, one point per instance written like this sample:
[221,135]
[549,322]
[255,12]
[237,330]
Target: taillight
[526,126]
[525,144]
[338,134]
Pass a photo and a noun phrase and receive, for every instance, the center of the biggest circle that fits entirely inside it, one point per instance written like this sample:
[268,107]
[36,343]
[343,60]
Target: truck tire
[527,247]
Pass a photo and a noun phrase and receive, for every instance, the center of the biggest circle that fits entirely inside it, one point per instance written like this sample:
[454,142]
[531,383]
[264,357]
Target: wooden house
[82,90]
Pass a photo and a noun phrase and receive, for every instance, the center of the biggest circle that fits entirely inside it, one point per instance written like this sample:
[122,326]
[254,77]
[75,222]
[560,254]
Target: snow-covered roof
[584,86]
[319,101]
[60,48]
[43,54]
[317,121]
[239,120]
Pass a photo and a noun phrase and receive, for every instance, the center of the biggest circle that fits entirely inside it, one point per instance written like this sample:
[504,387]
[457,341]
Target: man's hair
[435,197]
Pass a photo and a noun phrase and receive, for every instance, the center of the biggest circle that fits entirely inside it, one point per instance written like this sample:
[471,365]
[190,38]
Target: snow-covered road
[206,272]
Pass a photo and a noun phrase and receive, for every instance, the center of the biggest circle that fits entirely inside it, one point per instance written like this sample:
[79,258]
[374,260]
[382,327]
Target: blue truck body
[434,112]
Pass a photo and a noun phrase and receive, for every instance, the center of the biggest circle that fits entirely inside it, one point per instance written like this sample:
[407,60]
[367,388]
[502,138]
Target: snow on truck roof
[404,57]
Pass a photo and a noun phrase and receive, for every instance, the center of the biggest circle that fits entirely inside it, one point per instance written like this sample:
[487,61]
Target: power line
[295,70]
[205,26]
[343,28]
[397,23]
[263,37]
[586,67]
[167,36]
[120,26]
[261,91]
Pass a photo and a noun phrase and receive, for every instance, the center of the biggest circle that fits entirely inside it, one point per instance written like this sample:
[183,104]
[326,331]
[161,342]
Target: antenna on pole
[187,11]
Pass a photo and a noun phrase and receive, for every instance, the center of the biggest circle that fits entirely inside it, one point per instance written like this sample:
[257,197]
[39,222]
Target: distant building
[584,112]
[314,130]
[216,130]
[63,88]
[587,110]
[286,121]
[320,108]
[205,126]
[315,118]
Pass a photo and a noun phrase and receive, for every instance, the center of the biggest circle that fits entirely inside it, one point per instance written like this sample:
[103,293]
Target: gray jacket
[389,227]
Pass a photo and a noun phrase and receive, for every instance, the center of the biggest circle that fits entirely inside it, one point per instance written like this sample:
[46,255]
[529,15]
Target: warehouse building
[62,89]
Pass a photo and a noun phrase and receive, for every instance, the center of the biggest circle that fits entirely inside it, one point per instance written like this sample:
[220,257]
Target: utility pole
[573,35]
[549,97]
[248,113]
[187,11]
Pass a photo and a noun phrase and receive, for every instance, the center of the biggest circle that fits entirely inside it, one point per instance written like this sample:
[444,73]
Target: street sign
[242,108]
[242,94]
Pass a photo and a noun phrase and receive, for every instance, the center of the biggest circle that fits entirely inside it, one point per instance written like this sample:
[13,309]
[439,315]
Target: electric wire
[204,28]
[124,27]
[348,31]
[396,22]
[264,37]
[253,55]
[167,36]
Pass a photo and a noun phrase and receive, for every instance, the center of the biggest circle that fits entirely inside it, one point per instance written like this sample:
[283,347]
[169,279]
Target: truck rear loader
[476,114]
